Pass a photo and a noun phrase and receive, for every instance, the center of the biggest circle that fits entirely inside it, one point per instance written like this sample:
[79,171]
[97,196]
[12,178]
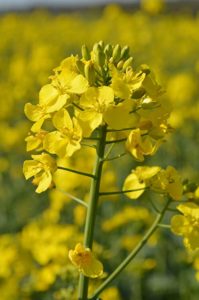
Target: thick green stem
[129,258]
[92,206]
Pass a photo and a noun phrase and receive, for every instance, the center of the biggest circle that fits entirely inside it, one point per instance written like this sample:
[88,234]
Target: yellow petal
[31,168]
[62,120]
[47,94]
[44,180]
[132,183]
[34,112]
[79,85]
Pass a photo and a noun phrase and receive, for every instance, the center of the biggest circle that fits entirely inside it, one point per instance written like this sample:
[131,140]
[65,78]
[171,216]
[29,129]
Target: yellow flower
[35,141]
[139,145]
[50,100]
[95,103]
[66,140]
[122,113]
[41,167]
[168,181]
[138,180]
[132,183]
[85,261]
[187,225]
[124,84]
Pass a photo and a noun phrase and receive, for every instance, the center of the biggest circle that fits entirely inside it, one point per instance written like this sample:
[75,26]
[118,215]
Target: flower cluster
[187,224]
[159,180]
[99,88]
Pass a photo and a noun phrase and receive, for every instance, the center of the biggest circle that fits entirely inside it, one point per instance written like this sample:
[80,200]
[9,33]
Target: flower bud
[85,53]
[127,63]
[120,64]
[80,66]
[116,53]
[108,50]
[89,73]
[99,55]
[125,52]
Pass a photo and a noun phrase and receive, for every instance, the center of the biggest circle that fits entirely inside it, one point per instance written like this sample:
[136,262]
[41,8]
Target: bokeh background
[36,230]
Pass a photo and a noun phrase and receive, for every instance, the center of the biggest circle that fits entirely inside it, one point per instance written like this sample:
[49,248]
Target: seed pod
[125,52]
[127,63]
[80,66]
[116,53]
[85,53]
[89,73]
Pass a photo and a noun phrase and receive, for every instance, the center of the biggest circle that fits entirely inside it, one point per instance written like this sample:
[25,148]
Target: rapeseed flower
[85,261]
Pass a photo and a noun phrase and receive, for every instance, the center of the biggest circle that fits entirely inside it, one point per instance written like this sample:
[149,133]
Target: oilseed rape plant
[99,102]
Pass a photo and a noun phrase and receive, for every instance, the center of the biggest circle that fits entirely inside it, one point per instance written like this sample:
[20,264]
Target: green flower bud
[120,64]
[101,43]
[80,66]
[89,73]
[116,53]
[108,50]
[99,55]
[125,52]
[127,63]
[138,93]
[85,53]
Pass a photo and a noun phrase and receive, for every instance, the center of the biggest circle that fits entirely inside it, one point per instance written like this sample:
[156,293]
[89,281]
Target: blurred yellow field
[38,230]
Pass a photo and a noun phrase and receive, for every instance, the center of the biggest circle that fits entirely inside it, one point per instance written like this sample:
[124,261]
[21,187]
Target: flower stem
[136,250]
[75,171]
[92,206]
[121,192]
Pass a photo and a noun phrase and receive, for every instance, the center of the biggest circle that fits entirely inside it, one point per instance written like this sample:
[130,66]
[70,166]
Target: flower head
[85,261]
[187,225]
[41,167]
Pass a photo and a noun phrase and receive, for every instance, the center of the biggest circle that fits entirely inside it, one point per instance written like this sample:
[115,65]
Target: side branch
[75,171]
[129,258]
[121,192]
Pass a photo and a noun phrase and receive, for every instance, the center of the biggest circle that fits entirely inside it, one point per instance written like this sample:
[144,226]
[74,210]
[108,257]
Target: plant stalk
[92,206]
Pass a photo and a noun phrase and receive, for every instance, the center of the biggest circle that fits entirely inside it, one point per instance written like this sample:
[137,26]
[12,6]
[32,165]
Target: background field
[36,230]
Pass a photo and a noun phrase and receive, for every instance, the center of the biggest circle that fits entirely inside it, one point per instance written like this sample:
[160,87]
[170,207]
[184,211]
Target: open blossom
[95,103]
[139,145]
[155,178]
[168,181]
[85,261]
[66,140]
[42,167]
[187,224]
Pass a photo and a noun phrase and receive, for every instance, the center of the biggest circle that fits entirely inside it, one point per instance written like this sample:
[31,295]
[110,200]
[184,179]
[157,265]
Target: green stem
[129,258]
[77,172]
[92,206]
[121,192]
[116,141]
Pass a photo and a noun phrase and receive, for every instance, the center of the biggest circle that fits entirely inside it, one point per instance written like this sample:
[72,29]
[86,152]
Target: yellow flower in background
[111,293]
[187,225]
[85,261]
[95,103]
[66,140]
[41,167]
[140,145]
